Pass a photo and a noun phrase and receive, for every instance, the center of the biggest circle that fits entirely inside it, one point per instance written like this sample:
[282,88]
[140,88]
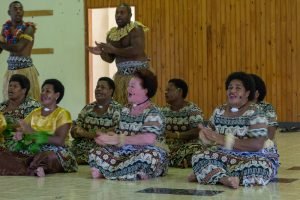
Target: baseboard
[289,124]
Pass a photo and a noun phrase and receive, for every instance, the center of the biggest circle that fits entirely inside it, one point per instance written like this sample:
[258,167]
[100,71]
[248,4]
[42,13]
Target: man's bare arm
[2,39]
[21,44]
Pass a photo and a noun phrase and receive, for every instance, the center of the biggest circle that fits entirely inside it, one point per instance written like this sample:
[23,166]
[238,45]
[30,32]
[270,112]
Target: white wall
[64,32]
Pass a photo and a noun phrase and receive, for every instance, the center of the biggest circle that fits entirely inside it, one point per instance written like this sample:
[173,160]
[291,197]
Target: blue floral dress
[252,168]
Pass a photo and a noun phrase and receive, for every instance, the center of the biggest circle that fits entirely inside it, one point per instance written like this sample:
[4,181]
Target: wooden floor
[174,186]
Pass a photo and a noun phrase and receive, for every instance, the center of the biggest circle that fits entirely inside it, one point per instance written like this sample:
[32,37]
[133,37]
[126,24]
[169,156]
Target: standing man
[126,45]
[17,37]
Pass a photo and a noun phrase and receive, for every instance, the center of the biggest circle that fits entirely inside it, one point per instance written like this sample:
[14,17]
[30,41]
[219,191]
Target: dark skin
[129,48]
[16,95]
[236,96]
[48,97]
[23,47]
[103,94]
[174,98]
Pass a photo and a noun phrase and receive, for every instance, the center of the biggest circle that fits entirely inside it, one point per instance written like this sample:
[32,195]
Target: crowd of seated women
[141,140]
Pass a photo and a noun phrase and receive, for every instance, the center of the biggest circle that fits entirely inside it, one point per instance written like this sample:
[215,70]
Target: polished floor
[174,186]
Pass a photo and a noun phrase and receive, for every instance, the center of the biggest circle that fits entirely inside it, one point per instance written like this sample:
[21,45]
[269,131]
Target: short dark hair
[110,83]
[247,81]
[260,86]
[127,6]
[179,83]
[149,80]
[22,80]
[14,2]
[57,86]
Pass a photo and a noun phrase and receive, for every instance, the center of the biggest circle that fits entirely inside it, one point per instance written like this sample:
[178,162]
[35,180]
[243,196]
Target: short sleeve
[195,116]
[64,117]
[258,125]
[154,122]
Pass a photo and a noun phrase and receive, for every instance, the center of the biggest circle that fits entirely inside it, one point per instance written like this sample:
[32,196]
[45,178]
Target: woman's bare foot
[143,176]
[232,182]
[95,173]
[40,172]
[192,177]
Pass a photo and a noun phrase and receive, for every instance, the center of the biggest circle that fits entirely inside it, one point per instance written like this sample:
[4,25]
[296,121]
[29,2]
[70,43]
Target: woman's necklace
[236,109]
[135,105]
[103,105]
[46,109]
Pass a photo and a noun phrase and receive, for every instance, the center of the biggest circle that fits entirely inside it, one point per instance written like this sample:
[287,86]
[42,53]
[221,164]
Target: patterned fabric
[270,112]
[19,62]
[252,168]
[185,119]
[89,120]
[132,162]
[129,67]
[13,37]
[20,112]
[64,155]
[26,107]
[50,123]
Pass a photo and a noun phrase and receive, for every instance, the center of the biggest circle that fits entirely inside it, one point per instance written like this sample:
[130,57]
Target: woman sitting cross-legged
[53,155]
[135,150]
[239,131]
[102,115]
[182,121]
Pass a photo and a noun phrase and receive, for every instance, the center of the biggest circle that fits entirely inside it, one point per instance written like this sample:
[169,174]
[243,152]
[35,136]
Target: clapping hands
[208,136]
[109,138]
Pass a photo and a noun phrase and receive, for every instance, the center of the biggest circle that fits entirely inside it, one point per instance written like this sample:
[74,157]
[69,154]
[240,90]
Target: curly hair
[179,83]
[260,86]
[110,82]
[247,81]
[22,80]
[57,86]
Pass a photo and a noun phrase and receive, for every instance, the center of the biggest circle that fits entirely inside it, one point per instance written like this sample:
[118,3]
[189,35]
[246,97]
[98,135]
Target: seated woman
[239,130]
[134,151]
[102,115]
[267,108]
[53,156]
[18,105]
[182,121]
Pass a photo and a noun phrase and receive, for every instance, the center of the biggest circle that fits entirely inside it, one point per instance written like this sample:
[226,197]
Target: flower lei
[116,34]
[12,37]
